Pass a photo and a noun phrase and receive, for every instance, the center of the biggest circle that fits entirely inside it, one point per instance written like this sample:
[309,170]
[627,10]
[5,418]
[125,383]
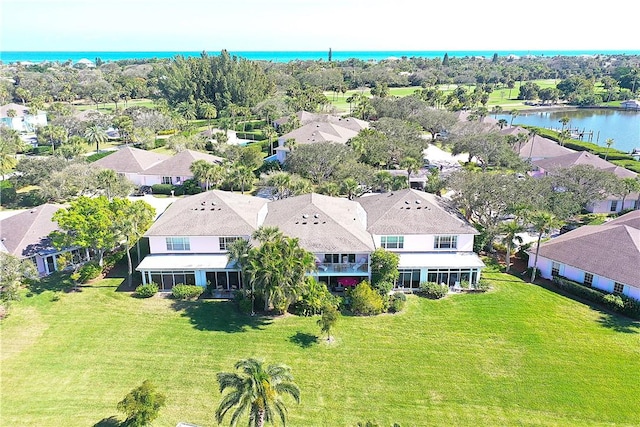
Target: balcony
[357,268]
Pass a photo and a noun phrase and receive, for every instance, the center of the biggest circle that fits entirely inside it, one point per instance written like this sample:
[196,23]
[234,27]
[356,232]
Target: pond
[597,125]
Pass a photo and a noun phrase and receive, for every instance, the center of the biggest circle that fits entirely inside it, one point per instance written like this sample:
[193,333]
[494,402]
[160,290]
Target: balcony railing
[343,267]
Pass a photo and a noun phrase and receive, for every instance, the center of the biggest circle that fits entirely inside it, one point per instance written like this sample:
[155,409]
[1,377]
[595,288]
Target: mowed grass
[518,355]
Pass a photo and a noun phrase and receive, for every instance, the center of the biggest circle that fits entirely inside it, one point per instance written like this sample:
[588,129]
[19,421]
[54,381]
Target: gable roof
[582,158]
[632,219]
[213,213]
[539,147]
[180,164]
[411,211]
[20,110]
[131,160]
[320,132]
[27,233]
[322,223]
[610,250]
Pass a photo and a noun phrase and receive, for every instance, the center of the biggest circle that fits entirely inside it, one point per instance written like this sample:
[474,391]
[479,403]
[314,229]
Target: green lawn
[518,355]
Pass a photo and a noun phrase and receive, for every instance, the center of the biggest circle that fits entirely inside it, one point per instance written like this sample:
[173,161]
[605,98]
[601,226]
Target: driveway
[159,203]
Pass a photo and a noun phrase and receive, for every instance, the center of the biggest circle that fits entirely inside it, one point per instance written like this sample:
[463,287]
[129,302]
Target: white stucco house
[26,235]
[188,243]
[21,118]
[148,168]
[606,257]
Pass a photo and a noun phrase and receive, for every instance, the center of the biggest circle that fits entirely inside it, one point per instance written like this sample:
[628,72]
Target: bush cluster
[88,271]
[615,302]
[147,291]
[365,301]
[433,290]
[397,301]
[182,291]
[314,298]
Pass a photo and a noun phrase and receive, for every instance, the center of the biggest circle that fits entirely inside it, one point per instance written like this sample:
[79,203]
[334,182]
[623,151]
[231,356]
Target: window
[167,180]
[445,242]
[614,206]
[226,241]
[555,269]
[392,242]
[636,204]
[618,288]
[178,244]
[588,279]
[408,279]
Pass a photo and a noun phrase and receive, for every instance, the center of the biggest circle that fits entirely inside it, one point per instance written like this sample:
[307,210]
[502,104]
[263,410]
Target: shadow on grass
[56,282]
[210,315]
[303,339]
[619,323]
[108,422]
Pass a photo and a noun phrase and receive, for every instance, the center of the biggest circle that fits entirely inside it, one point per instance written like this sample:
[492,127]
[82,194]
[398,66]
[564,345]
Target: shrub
[88,271]
[7,193]
[110,260]
[482,285]
[313,299]
[397,302]
[434,290]
[162,189]
[365,300]
[191,186]
[182,291]
[147,291]
[242,299]
[141,405]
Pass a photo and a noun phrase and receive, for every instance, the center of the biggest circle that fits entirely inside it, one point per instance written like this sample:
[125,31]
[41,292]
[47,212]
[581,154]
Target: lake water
[621,126]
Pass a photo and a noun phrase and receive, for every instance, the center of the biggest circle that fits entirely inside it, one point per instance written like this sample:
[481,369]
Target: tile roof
[27,233]
[131,160]
[322,223]
[411,211]
[611,250]
[213,213]
[180,164]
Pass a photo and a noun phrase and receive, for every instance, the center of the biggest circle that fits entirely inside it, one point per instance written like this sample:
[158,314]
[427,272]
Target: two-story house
[433,241]
[188,243]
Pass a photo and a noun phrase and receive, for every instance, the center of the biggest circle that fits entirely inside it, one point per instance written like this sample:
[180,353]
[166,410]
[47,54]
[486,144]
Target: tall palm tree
[257,391]
[95,135]
[107,179]
[543,222]
[564,120]
[411,165]
[510,230]
[514,114]
[208,111]
[609,143]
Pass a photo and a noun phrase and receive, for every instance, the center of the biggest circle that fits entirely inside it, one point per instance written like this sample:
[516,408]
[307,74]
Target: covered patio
[449,268]
[212,270]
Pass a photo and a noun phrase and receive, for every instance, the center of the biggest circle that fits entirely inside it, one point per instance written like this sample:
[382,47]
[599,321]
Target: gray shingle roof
[213,213]
[27,233]
[131,160]
[611,250]
[582,158]
[320,132]
[410,211]
[180,164]
[322,223]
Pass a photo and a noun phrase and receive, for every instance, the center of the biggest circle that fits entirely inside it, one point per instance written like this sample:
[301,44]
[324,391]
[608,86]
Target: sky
[312,25]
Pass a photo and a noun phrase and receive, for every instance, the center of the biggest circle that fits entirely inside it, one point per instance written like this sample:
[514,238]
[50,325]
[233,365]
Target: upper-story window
[178,244]
[445,242]
[392,242]
[226,241]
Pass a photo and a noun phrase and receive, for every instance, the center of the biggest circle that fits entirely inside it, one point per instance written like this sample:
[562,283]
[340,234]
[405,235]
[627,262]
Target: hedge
[615,302]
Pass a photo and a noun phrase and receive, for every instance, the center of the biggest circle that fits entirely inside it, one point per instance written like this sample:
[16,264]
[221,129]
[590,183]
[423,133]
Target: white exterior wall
[424,243]
[198,245]
[577,275]
[604,206]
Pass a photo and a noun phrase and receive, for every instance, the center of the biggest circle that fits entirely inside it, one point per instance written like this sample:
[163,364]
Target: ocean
[288,56]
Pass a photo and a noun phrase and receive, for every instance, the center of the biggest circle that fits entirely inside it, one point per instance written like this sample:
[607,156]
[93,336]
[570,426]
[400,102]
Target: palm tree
[564,120]
[411,165]
[208,111]
[329,318]
[543,222]
[609,143]
[510,230]
[256,391]
[95,134]
[107,179]
[238,253]
[242,176]
[514,114]
[350,186]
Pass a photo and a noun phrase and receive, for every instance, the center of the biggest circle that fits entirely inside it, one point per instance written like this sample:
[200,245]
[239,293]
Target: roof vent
[316,215]
[305,216]
[203,203]
[418,202]
[213,203]
[406,201]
